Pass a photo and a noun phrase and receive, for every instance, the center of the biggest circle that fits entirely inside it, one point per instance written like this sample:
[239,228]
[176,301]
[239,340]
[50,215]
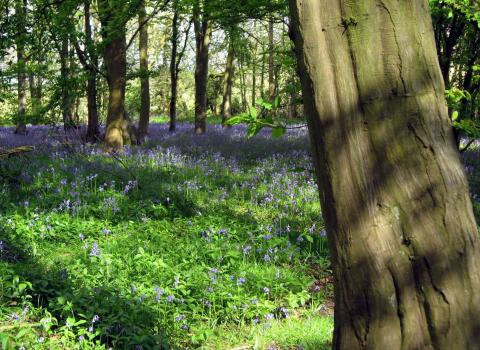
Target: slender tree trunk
[93,132]
[226,109]
[173,70]
[67,98]
[254,69]
[243,85]
[262,74]
[20,9]
[202,38]
[35,99]
[404,242]
[271,73]
[144,73]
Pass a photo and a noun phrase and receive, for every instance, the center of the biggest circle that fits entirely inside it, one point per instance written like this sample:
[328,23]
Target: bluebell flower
[179,318]
[95,251]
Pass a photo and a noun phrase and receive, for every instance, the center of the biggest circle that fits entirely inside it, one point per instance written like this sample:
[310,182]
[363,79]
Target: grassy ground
[210,242]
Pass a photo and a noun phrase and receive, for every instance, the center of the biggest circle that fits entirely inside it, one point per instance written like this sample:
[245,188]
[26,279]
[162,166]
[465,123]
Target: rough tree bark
[203,31]
[144,73]
[115,60]
[226,109]
[20,14]
[404,242]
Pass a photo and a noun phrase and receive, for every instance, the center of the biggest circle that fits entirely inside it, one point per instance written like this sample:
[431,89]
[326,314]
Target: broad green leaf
[278,131]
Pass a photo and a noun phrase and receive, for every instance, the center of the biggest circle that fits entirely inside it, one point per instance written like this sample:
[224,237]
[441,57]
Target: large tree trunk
[115,59]
[404,241]
[20,9]
[116,64]
[93,132]
[203,32]
[144,74]
[226,109]
[173,70]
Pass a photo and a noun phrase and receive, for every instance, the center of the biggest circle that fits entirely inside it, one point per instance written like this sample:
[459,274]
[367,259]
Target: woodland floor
[212,242]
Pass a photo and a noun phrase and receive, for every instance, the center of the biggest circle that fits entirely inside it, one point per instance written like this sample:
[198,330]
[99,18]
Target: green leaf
[253,112]
[278,131]
[276,102]
[253,129]
[455,115]
[236,120]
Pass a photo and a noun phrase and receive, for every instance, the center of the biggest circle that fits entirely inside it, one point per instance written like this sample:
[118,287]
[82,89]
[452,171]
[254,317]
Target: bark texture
[226,109]
[404,241]
[115,60]
[144,74]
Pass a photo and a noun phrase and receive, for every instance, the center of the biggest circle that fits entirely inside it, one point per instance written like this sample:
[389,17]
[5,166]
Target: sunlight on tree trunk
[115,60]
[404,241]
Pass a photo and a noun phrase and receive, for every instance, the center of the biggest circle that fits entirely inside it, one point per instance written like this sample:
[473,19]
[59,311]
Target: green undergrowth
[161,248]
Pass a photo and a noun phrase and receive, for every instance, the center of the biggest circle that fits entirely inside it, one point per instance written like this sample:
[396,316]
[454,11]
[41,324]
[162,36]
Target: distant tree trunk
[243,85]
[226,109]
[254,79]
[93,132]
[20,9]
[67,98]
[115,60]
[292,106]
[173,70]
[271,73]
[203,31]
[144,74]
[404,242]
[35,98]
[262,74]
